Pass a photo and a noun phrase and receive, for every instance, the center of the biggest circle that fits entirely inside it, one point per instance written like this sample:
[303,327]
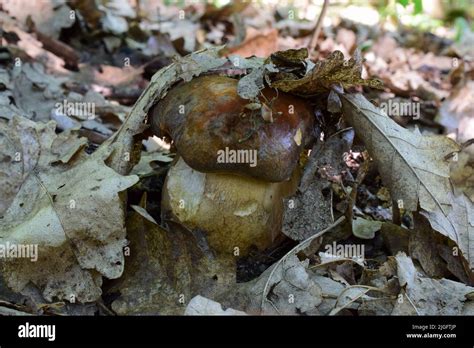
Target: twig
[317,28]
[58,48]
[363,170]
[396,216]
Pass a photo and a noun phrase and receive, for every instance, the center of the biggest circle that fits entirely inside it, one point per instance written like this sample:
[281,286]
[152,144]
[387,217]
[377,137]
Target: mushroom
[237,159]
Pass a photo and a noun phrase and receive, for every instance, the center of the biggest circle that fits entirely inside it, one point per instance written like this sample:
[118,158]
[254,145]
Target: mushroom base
[235,212]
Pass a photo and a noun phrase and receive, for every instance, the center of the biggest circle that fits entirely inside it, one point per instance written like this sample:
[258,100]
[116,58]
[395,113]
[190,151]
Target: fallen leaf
[292,291]
[121,144]
[427,296]
[203,306]
[53,211]
[365,229]
[165,270]
[333,70]
[415,169]
[49,17]
[143,167]
[260,43]
[423,247]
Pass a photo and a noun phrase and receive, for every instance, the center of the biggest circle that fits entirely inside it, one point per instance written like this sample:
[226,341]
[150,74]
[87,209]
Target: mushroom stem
[236,212]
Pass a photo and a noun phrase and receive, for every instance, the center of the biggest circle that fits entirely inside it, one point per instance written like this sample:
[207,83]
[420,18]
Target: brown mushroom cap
[206,115]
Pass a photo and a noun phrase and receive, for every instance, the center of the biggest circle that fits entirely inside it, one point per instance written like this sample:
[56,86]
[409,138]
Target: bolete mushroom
[237,159]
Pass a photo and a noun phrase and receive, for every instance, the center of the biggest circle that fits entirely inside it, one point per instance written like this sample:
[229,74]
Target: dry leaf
[49,16]
[325,73]
[365,229]
[121,144]
[78,239]
[291,280]
[163,267]
[426,296]
[415,169]
[203,306]
[26,145]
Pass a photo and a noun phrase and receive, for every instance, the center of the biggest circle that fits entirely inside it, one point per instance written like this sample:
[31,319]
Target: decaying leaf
[348,296]
[364,228]
[203,306]
[78,239]
[427,296]
[412,166]
[458,224]
[423,246]
[26,145]
[293,291]
[415,169]
[250,85]
[165,270]
[325,73]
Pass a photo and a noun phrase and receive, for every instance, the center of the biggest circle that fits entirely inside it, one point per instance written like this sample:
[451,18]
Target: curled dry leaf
[121,144]
[415,169]
[325,73]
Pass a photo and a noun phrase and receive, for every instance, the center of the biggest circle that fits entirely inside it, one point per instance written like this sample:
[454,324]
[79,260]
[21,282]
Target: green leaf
[418,6]
[404,3]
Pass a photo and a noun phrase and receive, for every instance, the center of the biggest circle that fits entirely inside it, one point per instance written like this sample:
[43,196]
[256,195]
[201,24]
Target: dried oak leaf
[72,212]
[25,145]
[291,291]
[333,70]
[427,296]
[415,169]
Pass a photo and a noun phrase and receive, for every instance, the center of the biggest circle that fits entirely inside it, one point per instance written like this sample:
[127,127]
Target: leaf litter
[73,204]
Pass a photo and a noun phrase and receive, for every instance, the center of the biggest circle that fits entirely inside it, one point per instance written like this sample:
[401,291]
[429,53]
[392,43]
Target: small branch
[58,48]
[396,216]
[317,29]
[363,170]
